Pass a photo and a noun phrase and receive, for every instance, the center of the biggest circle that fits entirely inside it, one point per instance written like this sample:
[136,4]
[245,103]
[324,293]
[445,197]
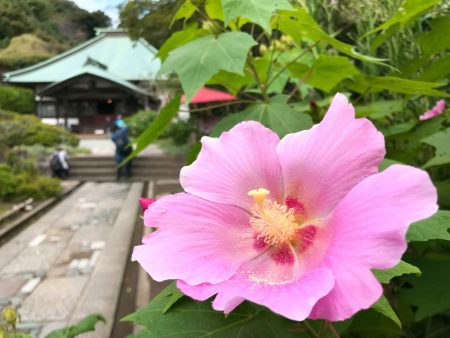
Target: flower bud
[9,314]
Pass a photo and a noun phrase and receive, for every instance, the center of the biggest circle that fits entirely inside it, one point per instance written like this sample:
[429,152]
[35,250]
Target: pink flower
[295,224]
[146,202]
[435,111]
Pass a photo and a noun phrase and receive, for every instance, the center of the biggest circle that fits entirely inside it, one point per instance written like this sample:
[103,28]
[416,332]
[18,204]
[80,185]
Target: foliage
[16,99]
[18,129]
[140,121]
[284,60]
[17,186]
[179,131]
[32,30]
[144,18]
[85,325]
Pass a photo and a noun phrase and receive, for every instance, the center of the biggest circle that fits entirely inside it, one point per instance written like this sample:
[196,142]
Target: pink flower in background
[146,202]
[295,224]
[438,109]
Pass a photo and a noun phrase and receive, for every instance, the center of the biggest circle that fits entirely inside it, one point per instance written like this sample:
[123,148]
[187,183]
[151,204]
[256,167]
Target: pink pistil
[283,255]
[259,243]
[306,235]
[293,203]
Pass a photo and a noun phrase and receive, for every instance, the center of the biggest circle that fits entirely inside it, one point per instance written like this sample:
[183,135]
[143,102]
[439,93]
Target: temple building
[88,85]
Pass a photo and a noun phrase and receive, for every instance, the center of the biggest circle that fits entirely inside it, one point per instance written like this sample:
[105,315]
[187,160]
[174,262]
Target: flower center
[275,223]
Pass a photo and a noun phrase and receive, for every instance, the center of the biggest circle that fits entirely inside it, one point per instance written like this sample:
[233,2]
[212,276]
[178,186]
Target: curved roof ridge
[55,58]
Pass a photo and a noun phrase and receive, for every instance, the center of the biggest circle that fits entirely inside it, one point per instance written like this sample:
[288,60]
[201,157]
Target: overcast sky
[107,6]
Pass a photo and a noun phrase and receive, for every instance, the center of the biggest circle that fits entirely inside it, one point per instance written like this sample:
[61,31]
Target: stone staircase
[103,168]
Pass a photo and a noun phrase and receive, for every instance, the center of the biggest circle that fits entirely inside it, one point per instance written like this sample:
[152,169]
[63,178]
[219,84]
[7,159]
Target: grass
[5,207]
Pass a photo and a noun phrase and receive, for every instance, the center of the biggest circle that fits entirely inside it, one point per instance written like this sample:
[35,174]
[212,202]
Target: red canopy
[209,95]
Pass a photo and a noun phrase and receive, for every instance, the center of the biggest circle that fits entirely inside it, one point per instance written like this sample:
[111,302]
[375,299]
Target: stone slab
[102,292]
[53,300]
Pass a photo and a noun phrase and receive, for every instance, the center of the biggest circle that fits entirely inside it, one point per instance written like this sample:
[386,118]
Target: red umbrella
[209,95]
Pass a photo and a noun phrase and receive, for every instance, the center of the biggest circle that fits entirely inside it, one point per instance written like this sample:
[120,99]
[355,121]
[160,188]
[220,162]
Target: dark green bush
[8,182]
[36,187]
[178,131]
[140,121]
[16,99]
[16,129]
[16,187]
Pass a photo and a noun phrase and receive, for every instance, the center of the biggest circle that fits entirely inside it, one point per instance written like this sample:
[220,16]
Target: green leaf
[257,11]
[408,10]
[387,163]
[156,128]
[300,24]
[197,61]
[437,39]
[186,10]
[214,9]
[276,115]
[188,318]
[396,129]
[435,227]
[431,292]
[438,70]
[441,141]
[382,306]
[267,70]
[232,82]
[328,70]
[379,109]
[178,39]
[373,84]
[443,188]
[402,268]
[85,325]
[193,152]
[174,297]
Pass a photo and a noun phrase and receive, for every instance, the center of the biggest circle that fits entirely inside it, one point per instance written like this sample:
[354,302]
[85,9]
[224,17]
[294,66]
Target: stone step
[136,164]
[162,159]
[149,170]
[113,178]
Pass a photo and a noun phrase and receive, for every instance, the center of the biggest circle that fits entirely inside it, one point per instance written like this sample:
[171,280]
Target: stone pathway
[70,262]
[105,147]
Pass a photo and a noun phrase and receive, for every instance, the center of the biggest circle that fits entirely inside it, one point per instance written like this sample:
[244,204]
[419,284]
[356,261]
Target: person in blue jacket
[119,135]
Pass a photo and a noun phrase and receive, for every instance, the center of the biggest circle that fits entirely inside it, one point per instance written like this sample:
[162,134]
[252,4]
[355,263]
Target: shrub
[8,182]
[140,121]
[179,131]
[16,99]
[20,186]
[37,187]
[18,129]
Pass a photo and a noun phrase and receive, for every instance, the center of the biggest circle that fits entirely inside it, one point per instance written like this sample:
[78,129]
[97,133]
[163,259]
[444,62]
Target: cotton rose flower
[438,109]
[295,224]
[145,203]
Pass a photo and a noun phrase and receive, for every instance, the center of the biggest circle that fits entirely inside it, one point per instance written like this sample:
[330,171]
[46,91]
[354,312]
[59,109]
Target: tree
[149,19]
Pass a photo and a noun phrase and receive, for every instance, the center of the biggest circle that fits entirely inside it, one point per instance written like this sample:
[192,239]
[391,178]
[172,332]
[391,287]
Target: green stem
[310,330]
[292,62]
[261,85]
[218,105]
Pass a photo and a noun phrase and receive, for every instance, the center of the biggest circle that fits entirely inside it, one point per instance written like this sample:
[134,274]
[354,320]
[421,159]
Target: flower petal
[228,167]
[196,241]
[292,300]
[322,164]
[355,289]
[369,227]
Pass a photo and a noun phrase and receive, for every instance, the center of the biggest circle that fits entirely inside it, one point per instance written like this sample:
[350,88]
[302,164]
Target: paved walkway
[70,262]
[102,146]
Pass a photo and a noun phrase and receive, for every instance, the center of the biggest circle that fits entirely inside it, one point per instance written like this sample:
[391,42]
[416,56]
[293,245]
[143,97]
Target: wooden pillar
[58,111]
[66,113]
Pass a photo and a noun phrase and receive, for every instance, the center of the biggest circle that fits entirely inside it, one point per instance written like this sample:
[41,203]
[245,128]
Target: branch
[307,50]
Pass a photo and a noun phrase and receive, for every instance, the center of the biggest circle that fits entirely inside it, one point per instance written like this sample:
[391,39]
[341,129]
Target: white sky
[109,7]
